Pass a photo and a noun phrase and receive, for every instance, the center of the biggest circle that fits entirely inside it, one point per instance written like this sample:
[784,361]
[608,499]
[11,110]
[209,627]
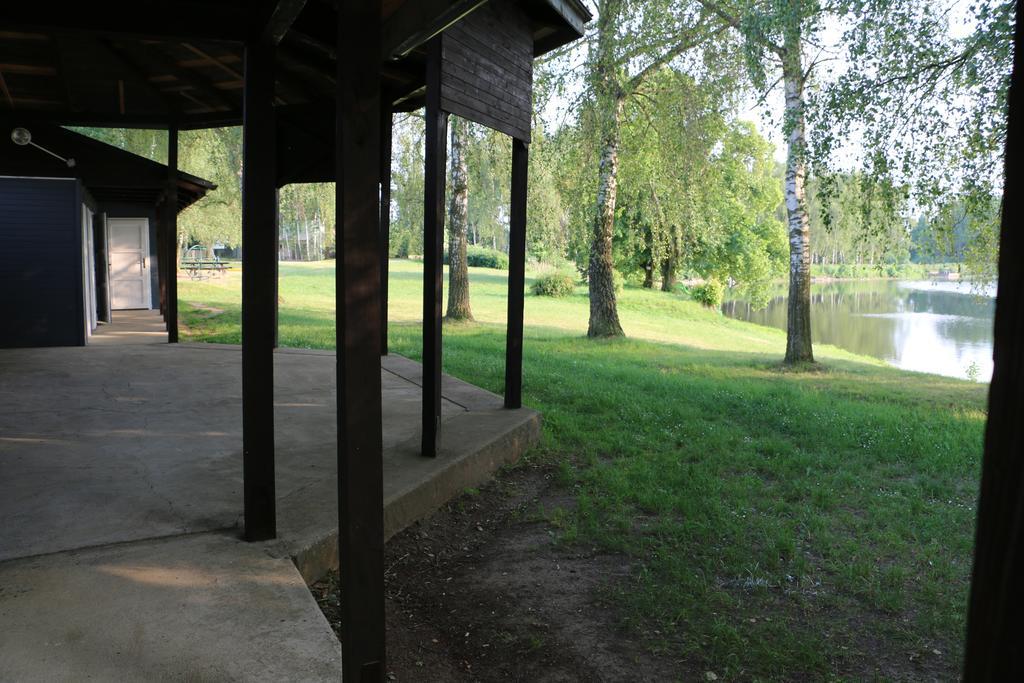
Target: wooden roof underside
[129,63]
[111,174]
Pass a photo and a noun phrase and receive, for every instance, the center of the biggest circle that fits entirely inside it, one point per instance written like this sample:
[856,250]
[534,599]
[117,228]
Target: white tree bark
[798,324]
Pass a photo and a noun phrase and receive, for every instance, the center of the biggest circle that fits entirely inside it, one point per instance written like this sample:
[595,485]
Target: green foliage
[929,106]
[710,294]
[406,238]
[483,257]
[556,285]
[852,221]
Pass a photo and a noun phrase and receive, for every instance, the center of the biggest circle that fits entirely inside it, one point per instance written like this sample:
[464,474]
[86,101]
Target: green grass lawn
[802,524]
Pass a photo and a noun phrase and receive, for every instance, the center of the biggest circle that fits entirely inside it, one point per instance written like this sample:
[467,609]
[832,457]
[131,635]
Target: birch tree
[775,34]
[632,39]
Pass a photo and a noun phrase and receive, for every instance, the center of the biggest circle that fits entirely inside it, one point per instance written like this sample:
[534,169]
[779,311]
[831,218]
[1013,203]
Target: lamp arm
[69,162]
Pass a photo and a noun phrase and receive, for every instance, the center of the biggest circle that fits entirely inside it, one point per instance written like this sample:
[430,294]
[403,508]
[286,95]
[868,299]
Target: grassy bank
[782,524]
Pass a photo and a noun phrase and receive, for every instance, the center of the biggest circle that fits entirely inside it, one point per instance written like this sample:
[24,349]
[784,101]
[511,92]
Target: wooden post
[993,651]
[360,440]
[433,249]
[385,218]
[277,265]
[516,275]
[259,258]
[171,237]
[161,263]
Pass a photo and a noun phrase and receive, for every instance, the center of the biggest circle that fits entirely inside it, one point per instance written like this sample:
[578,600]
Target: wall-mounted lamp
[22,136]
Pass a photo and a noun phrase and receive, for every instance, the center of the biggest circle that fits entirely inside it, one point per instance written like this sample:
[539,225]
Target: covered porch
[121,491]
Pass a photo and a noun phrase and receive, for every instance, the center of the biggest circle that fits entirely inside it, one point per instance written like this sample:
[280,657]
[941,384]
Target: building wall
[40,262]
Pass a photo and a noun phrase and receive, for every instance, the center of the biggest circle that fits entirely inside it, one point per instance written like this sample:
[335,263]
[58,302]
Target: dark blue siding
[40,263]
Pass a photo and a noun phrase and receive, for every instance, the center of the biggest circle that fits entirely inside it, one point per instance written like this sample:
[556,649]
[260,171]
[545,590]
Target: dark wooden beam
[6,91]
[386,129]
[433,250]
[28,69]
[170,211]
[360,439]
[224,66]
[516,275]
[282,16]
[259,256]
[415,23]
[277,260]
[57,53]
[319,82]
[188,121]
[171,19]
[312,45]
[993,651]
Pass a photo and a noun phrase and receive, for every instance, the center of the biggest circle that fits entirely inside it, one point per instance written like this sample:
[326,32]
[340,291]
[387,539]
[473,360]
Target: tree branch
[735,22]
[637,79]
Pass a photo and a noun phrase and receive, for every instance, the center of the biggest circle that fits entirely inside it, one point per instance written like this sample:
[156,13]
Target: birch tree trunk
[604,314]
[609,101]
[798,323]
[458,272]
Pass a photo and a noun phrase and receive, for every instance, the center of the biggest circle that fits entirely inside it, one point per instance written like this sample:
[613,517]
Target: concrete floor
[130,327]
[120,501]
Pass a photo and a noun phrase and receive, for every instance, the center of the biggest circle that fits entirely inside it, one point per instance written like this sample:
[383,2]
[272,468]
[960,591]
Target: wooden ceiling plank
[155,53]
[215,61]
[22,35]
[229,58]
[29,69]
[123,58]
[168,19]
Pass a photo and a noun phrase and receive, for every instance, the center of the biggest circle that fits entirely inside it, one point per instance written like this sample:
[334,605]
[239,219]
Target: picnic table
[199,267]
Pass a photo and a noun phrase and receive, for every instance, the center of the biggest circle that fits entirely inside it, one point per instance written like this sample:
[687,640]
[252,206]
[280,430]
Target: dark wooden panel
[487,68]
[40,274]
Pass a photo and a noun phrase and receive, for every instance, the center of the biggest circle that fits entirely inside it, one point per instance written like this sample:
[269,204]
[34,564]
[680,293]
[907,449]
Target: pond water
[939,327]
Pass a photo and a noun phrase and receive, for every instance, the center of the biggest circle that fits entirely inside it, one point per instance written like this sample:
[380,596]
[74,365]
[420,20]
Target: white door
[129,263]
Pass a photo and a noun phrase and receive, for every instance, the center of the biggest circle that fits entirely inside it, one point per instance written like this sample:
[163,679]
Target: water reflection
[938,327]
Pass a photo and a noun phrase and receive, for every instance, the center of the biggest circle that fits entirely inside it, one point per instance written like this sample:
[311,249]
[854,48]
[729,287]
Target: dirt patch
[483,591]
[203,312]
